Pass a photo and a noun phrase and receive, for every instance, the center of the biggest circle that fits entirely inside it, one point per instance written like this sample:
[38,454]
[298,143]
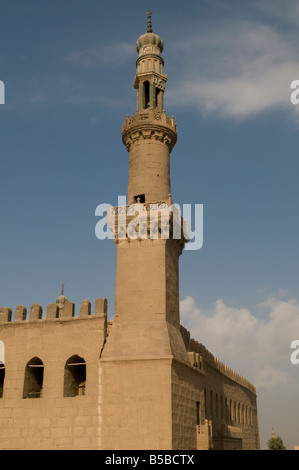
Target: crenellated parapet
[207,357]
[53,312]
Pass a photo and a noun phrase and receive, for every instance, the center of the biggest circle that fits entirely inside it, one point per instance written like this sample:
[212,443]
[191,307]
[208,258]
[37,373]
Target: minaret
[149,135]
[137,363]
[60,301]
[147,267]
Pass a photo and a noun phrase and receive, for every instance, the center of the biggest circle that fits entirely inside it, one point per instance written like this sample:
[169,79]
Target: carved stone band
[149,124]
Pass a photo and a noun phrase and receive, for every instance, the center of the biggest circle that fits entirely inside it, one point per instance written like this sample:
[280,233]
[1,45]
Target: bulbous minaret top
[60,301]
[150,80]
[149,39]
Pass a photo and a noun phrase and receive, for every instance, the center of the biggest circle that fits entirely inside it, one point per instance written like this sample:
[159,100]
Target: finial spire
[149,24]
[62,288]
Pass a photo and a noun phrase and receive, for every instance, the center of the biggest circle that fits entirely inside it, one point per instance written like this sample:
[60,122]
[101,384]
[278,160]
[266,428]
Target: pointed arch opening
[74,377]
[34,377]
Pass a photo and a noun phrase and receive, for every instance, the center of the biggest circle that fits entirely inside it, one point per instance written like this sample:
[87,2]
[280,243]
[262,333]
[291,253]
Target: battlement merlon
[54,312]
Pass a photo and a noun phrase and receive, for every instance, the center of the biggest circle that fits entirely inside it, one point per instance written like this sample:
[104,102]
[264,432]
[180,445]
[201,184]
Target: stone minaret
[145,341]
[149,135]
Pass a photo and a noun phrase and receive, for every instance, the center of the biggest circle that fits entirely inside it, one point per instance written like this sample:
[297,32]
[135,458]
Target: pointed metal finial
[62,288]
[149,24]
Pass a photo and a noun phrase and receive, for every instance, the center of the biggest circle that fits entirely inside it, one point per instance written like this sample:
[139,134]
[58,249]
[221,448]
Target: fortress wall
[187,405]
[52,421]
[231,407]
[229,398]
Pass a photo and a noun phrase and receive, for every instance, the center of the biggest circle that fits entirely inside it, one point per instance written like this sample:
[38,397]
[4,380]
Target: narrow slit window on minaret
[2,375]
[146,95]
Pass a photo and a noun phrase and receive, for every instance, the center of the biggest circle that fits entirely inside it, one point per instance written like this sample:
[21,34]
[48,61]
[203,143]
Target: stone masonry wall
[229,399]
[52,421]
[187,405]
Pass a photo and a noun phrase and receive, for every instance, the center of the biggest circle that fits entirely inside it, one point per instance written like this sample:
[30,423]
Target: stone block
[52,311]
[68,310]
[101,307]
[5,314]
[20,313]
[85,308]
[36,312]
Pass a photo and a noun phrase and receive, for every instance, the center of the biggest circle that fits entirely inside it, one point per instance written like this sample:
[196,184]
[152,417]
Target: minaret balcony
[149,124]
[159,220]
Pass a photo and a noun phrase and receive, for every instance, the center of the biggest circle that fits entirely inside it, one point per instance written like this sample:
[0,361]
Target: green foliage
[276,443]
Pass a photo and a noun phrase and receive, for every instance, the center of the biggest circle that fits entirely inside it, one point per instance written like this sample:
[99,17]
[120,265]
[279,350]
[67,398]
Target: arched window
[216,405]
[74,377]
[211,403]
[34,376]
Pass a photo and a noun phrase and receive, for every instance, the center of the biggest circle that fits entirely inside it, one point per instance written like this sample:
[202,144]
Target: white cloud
[115,54]
[237,69]
[256,346]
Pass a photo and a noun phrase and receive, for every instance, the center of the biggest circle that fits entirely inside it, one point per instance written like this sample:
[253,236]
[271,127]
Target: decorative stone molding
[149,124]
[148,221]
[160,83]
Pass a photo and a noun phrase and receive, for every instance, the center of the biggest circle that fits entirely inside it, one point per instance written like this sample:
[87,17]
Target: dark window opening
[2,375]
[146,95]
[211,403]
[74,377]
[198,413]
[140,198]
[34,376]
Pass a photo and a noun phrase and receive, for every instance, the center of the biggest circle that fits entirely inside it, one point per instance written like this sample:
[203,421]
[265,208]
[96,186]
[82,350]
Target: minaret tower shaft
[145,345]
[149,135]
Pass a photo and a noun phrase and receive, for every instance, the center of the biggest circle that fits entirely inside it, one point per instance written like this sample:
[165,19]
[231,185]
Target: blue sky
[68,68]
